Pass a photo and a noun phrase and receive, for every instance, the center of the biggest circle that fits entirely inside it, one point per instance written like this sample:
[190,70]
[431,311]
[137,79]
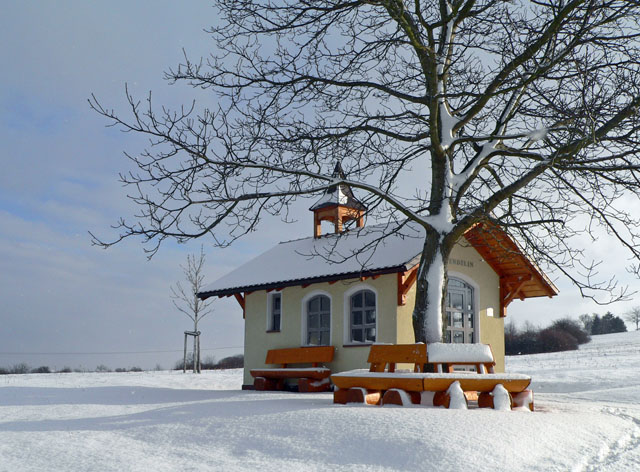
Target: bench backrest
[449,355]
[383,355]
[300,355]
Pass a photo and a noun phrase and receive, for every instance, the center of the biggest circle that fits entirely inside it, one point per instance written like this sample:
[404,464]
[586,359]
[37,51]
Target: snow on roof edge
[310,280]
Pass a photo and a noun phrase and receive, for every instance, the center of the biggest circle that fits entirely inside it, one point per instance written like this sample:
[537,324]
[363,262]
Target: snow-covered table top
[301,369]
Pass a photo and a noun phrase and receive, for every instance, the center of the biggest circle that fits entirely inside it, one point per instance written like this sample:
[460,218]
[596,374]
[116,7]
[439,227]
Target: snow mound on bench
[458,400]
[444,352]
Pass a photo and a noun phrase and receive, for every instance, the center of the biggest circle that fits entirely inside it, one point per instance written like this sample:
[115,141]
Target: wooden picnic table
[384,383]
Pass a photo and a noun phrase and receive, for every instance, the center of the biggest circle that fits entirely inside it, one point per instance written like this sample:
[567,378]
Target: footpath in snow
[587,419]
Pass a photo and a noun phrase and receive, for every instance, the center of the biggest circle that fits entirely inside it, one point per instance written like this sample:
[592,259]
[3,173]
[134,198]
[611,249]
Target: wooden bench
[310,379]
[383,358]
[382,384]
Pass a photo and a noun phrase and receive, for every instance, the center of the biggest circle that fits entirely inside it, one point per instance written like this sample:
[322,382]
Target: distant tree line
[23,368]
[209,363]
[609,323]
[231,362]
[565,334]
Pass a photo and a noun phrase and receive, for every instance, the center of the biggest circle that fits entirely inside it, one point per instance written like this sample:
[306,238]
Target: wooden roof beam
[405,281]
[240,299]
[510,287]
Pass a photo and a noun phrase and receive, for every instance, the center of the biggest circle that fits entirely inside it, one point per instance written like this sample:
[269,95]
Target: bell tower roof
[337,204]
[340,194]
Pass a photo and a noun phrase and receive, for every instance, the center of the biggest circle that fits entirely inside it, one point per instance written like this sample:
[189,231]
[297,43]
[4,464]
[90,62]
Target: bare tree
[186,301]
[587,321]
[633,316]
[448,114]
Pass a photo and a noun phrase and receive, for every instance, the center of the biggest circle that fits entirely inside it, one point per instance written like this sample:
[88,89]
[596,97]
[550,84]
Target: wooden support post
[262,383]
[523,399]
[441,399]
[363,395]
[184,360]
[395,396]
[340,396]
[485,400]
[196,351]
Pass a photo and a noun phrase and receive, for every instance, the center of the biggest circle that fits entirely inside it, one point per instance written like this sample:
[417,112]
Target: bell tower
[338,205]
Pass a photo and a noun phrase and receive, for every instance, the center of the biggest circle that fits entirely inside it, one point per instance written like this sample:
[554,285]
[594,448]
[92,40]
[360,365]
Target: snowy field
[587,418]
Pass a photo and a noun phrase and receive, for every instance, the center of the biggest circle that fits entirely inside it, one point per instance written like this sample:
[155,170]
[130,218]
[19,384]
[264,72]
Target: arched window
[460,312]
[363,317]
[318,320]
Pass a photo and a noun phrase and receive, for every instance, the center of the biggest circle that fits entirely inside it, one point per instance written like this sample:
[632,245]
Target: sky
[64,302]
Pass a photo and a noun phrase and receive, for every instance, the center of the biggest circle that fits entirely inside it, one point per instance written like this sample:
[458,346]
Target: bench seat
[410,381]
[433,382]
[317,373]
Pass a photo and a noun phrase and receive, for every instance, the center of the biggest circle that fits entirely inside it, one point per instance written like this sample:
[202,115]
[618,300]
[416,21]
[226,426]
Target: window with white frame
[318,320]
[363,317]
[275,311]
[460,320]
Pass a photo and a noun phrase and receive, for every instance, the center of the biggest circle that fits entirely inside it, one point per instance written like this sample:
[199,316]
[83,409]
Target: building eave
[227,292]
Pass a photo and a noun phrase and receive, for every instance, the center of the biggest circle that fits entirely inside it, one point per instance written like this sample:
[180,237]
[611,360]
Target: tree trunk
[431,286]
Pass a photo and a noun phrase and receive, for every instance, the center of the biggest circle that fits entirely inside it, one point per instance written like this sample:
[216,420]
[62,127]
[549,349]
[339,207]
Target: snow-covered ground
[587,418]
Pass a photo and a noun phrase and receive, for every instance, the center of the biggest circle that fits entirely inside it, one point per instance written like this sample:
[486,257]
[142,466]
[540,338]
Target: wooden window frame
[449,329]
[364,325]
[271,325]
[320,312]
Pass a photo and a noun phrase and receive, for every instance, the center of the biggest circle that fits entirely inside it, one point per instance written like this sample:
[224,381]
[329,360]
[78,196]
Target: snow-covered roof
[376,250]
[356,253]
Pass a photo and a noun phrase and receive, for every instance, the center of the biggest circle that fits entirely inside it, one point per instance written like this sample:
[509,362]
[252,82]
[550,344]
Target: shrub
[102,368]
[65,370]
[563,335]
[120,369]
[20,369]
[554,340]
[3,371]
[231,362]
[41,370]
[209,363]
[179,362]
[135,369]
[571,326]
